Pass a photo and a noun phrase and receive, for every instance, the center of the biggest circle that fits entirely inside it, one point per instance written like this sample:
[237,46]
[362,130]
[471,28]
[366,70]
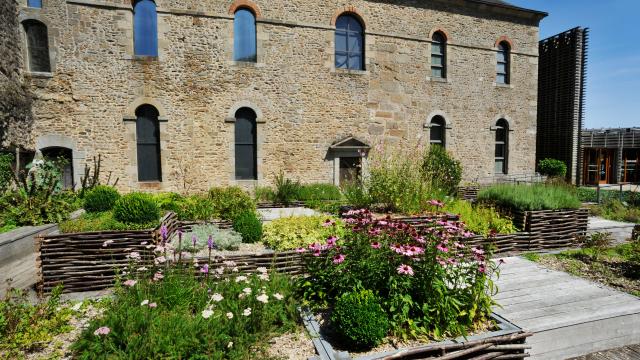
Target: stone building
[184,93]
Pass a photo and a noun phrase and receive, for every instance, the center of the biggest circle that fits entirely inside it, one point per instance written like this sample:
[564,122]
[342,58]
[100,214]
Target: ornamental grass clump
[530,197]
[432,283]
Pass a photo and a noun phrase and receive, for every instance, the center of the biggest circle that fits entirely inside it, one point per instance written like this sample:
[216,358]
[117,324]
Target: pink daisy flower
[375,245]
[338,259]
[405,270]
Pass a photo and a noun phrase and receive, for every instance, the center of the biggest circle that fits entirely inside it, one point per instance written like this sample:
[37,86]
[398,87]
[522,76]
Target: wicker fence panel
[287,262]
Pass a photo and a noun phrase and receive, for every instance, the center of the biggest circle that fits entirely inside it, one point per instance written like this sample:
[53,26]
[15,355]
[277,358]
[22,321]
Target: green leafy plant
[310,192]
[360,320]
[616,211]
[136,208]
[530,197]
[598,242]
[249,226]
[6,171]
[170,201]
[27,327]
[100,198]
[552,167]
[102,221]
[230,202]
[263,193]
[356,195]
[442,170]
[224,239]
[286,190]
[480,219]
[301,231]
[196,208]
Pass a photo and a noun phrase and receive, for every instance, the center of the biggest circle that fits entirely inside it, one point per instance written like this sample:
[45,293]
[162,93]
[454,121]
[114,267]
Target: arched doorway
[66,156]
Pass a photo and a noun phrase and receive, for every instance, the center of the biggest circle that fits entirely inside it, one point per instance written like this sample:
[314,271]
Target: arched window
[503,64]
[34,4]
[148,144]
[349,48]
[438,56]
[502,147]
[246,145]
[437,129]
[145,28]
[244,36]
[37,46]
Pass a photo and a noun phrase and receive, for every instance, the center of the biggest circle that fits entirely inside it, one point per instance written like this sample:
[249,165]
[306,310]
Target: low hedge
[530,197]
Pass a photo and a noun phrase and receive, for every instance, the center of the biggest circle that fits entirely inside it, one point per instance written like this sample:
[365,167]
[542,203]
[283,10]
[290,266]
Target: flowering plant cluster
[172,309]
[430,281]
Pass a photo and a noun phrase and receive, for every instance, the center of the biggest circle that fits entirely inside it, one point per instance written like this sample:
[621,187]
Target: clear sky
[613,71]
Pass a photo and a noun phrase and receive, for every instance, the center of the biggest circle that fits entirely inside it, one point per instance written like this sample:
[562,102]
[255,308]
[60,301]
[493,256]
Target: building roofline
[625,129]
[540,14]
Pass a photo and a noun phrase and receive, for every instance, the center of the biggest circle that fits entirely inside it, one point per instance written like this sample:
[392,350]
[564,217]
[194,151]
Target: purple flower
[204,269]
[194,239]
[179,235]
[164,232]
[210,242]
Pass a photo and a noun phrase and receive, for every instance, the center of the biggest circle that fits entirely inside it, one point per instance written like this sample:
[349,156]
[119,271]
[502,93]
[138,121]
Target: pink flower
[134,255]
[405,270]
[317,252]
[442,247]
[153,305]
[301,250]
[160,260]
[204,269]
[420,239]
[397,248]
[436,203]
[375,245]
[130,283]
[477,251]
[338,259]
[331,241]
[416,250]
[315,246]
[158,276]
[102,331]
[482,269]
[328,223]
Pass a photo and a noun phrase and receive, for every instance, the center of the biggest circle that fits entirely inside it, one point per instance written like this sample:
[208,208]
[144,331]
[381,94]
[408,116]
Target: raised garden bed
[507,341]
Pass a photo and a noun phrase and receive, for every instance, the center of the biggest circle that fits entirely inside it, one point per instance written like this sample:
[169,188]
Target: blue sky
[613,72]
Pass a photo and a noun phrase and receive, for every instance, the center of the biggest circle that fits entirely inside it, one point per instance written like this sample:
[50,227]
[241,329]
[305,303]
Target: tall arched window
[438,55]
[148,144]
[349,50]
[244,36]
[37,46]
[246,145]
[437,129]
[145,28]
[503,63]
[502,147]
[34,4]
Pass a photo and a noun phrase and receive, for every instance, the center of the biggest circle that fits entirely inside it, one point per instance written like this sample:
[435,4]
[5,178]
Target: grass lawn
[617,267]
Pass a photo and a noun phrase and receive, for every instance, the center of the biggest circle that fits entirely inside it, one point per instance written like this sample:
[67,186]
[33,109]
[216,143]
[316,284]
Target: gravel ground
[292,346]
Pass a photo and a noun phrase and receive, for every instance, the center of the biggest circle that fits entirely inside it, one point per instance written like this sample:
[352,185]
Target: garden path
[620,231]
[569,316]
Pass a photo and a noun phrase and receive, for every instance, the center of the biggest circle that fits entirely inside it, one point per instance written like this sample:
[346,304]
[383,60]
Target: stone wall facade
[304,104]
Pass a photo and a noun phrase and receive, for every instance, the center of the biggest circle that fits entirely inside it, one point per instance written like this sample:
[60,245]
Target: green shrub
[103,221]
[586,194]
[230,202]
[169,201]
[224,239]
[329,207]
[552,167]
[6,171]
[136,208]
[442,170]
[100,198]
[356,195]
[301,231]
[598,242]
[530,197]
[249,226]
[479,219]
[360,320]
[616,211]
[197,208]
[310,192]
[286,189]
[263,193]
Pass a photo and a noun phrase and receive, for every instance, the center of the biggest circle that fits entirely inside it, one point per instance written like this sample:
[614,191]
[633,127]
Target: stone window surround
[260,123]
[27,13]
[78,157]
[131,168]
[261,35]
[447,39]
[493,127]
[508,85]
[448,126]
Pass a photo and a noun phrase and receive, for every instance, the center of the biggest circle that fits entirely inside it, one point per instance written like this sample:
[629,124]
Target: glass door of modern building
[599,166]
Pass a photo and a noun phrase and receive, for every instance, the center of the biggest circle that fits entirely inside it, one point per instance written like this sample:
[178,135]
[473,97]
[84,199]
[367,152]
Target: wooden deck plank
[552,296]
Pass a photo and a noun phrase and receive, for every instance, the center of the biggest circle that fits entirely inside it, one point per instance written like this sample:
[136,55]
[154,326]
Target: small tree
[442,170]
[552,168]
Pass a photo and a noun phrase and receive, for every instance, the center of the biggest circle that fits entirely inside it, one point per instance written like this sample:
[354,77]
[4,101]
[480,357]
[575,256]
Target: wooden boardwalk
[626,353]
[569,316]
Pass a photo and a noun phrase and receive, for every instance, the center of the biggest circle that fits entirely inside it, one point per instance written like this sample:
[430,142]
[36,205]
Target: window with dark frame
[244,36]
[37,46]
[502,147]
[145,28]
[503,65]
[349,47]
[34,4]
[437,129]
[148,143]
[246,150]
[438,56]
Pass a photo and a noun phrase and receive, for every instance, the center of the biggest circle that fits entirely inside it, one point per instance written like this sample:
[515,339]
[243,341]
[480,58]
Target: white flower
[134,255]
[241,278]
[278,296]
[235,269]
[246,312]
[207,313]
[107,243]
[220,270]
[160,260]
[230,315]
[216,297]
[263,298]
[143,268]
[144,302]
[77,307]
[247,291]
[264,276]
[230,344]
[262,269]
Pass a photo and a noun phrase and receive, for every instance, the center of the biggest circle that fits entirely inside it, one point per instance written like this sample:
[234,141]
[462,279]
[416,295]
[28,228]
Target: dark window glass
[502,147]
[148,144]
[349,49]
[244,36]
[350,169]
[437,131]
[145,28]
[438,56]
[37,46]
[502,66]
[34,3]
[246,145]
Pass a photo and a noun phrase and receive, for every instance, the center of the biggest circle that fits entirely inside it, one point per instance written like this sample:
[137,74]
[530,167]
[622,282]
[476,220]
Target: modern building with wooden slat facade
[610,156]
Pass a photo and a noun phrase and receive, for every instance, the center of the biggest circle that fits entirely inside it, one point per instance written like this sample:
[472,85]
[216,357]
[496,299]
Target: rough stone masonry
[304,104]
